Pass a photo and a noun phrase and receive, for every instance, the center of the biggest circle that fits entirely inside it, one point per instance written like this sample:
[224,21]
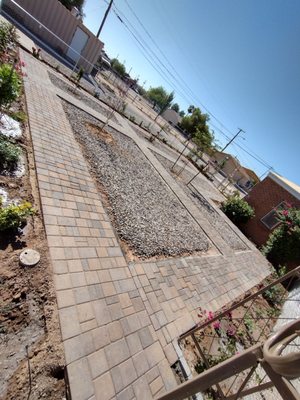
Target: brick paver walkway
[119,321]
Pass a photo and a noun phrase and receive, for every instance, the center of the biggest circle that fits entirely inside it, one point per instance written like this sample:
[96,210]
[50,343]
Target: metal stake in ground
[186,145]
[123,94]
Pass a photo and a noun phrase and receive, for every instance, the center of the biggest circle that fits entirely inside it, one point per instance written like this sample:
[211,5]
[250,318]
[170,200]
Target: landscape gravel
[147,215]
[78,93]
[207,189]
[208,211]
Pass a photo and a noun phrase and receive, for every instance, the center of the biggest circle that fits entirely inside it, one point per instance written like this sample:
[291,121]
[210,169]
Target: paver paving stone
[118,320]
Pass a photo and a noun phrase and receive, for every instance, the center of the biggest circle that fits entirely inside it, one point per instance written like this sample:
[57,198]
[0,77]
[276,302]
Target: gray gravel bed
[207,188]
[208,211]
[147,215]
[156,143]
[61,84]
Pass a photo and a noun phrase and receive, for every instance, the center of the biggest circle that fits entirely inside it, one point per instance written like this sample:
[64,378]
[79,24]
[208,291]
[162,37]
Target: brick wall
[263,198]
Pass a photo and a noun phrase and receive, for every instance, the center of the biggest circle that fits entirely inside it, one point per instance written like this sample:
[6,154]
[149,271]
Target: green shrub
[283,245]
[9,155]
[237,209]
[10,85]
[13,216]
[8,36]
[19,116]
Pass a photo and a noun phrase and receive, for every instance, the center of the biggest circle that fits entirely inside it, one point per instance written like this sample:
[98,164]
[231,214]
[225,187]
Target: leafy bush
[237,209]
[9,155]
[10,85]
[283,245]
[19,116]
[118,67]
[13,216]
[8,36]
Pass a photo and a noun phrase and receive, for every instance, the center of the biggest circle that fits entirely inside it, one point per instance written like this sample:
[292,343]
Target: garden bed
[78,93]
[233,332]
[28,310]
[148,217]
[207,210]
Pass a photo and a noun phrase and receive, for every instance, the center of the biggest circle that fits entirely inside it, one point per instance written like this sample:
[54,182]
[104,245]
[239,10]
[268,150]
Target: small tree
[283,245]
[195,124]
[237,210]
[159,96]
[118,67]
[168,101]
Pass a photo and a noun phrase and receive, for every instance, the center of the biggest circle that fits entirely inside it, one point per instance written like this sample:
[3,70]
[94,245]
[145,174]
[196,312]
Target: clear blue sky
[240,58]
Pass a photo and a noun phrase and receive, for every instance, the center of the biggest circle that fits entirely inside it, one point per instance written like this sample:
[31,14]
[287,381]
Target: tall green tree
[196,125]
[118,67]
[168,101]
[191,109]
[160,97]
[175,107]
[73,3]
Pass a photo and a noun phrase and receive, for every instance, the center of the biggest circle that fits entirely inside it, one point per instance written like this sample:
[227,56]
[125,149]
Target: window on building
[270,220]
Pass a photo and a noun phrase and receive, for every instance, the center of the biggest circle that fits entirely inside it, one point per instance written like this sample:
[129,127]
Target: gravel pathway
[61,84]
[213,217]
[147,214]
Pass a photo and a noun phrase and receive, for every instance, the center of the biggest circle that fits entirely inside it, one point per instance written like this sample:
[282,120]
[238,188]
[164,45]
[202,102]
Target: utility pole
[230,141]
[104,18]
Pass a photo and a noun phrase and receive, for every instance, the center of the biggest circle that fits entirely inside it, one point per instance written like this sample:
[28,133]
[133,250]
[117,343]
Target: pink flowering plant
[224,333]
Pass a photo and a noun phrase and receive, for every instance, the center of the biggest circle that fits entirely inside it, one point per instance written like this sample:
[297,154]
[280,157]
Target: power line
[158,48]
[192,94]
[158,61]
[148,50]
[244,148]
[158,65]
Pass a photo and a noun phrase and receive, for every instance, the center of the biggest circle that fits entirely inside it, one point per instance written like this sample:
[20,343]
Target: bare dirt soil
[28,310]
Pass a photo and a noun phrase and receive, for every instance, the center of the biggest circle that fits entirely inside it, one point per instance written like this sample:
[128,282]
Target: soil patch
[147,215]
[28,310]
